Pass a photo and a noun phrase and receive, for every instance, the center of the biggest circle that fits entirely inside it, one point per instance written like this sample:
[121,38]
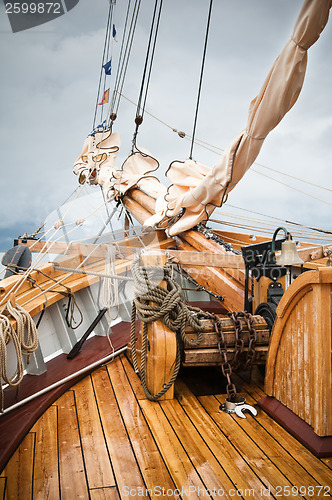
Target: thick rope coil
[25,341]
[169,308]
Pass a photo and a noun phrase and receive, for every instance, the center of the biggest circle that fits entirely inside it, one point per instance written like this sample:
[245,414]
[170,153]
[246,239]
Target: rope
[110,12]
[110,286]
[25,341]
[147,69]
[123,62]
[169,308]
[201,79]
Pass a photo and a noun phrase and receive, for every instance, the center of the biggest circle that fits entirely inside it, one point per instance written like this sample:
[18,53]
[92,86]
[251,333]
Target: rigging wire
[291,187]
[110,12]
[201,79]
[150,52]
[217,150]
[120,57]
[149,55]
[275,218]
[125,56]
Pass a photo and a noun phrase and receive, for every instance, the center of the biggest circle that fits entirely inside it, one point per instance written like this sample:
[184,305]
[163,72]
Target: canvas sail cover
[197,189]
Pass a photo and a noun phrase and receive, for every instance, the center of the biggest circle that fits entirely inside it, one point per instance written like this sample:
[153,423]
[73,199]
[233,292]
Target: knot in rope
[153,302]
[168,305]
[58,224]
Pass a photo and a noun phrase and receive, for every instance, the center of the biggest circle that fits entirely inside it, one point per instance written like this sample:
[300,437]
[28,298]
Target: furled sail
[197,194]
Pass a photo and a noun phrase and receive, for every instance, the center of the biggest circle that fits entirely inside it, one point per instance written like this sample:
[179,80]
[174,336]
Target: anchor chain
[211,235]
[226,366]
[251,354]
[239,342]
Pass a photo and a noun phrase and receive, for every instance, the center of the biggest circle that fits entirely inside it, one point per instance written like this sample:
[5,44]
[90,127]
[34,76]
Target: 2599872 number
[33,8]
[307,491]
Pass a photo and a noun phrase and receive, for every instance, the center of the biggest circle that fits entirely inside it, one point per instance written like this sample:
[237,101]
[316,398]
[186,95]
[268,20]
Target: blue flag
[114,31]
[108,67]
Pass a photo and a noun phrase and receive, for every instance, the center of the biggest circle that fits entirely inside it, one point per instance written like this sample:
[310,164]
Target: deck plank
[151,464]
[181,468]
[126,470]
[19,470]
[71,465]
[286,464]
[135,381]
[46,470]
[229,457]
[2,487]
[97,463]
[300,453]
[110,493]
[204,461]
[252,454]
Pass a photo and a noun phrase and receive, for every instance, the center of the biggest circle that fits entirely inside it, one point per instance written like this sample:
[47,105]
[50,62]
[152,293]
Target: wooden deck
[104,440]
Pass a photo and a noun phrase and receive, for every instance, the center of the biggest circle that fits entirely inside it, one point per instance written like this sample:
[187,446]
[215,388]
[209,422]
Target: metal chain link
[239,342]
[226,367]
[251,354]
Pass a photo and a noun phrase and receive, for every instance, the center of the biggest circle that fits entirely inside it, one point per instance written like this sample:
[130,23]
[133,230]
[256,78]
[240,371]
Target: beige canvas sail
[199,193]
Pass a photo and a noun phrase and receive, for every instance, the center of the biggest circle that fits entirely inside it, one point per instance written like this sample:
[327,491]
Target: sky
[49,81]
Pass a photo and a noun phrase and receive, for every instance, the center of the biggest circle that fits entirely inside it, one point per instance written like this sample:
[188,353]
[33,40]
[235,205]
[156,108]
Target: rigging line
[109,217]
[201,79]
[120,57]
[257,230]
[293,177]
[105,225]
[64,277]
[129,45]
[276,218]
[259,221]
[291,187]
[108,43]
[216,150]
[146,59]
[101,69]
[131,223]
[149,54]
[152,55]
[41,253]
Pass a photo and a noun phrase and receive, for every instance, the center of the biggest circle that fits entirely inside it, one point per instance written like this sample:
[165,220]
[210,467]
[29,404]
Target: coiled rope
[169,308]
[25,341]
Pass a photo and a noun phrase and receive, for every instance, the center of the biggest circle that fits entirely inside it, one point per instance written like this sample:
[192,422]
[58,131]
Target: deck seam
[231,444]
[33,463]
[285,449]
[58,447]
[199,475]
[138,402]
[81,444]
[271,459]
[226,437]
[237,450]
[103,431]
[124,423]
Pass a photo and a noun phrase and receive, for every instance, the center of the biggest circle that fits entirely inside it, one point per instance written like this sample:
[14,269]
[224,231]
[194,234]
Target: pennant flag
[114,31]
[100,128]
[108,67]
[105,97]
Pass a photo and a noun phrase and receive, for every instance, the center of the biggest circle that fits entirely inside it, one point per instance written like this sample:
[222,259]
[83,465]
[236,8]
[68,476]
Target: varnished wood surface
[298,372]
[104,440]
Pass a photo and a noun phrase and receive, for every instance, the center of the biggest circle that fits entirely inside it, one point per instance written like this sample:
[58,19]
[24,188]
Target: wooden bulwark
[298,371]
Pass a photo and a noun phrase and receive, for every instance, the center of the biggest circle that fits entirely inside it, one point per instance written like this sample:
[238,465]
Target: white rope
[25,341]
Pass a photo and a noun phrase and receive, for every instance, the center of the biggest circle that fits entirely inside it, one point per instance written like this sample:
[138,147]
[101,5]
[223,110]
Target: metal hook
[239,410]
